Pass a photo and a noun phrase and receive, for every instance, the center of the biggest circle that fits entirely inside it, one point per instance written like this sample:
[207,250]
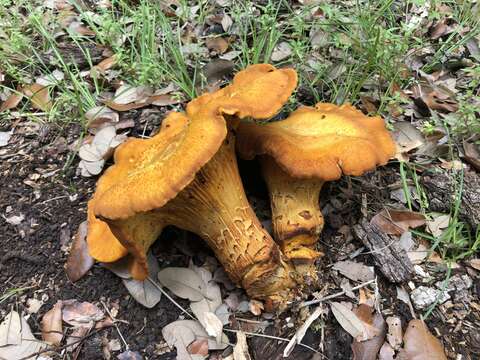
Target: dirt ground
[50,201]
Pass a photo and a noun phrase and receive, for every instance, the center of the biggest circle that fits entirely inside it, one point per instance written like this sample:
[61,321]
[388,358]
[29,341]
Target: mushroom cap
[259,92]
[148,173]
[102,244]
[321,142]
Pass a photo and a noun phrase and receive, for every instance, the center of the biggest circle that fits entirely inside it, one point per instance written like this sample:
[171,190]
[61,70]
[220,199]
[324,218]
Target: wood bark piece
[441,195]
[387,253]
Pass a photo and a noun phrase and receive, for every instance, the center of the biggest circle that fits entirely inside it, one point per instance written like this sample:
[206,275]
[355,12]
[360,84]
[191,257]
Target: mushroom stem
[296,217]
[215,207]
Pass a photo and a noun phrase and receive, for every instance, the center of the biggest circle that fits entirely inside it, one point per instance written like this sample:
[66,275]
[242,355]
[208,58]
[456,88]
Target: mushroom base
[296,217]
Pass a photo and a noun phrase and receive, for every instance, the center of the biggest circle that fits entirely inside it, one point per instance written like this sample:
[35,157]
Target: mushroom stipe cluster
[187,176]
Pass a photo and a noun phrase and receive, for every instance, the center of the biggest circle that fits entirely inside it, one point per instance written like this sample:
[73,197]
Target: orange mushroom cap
[259,92]
[102,244]
[148,173]
[151,172]
[321,142]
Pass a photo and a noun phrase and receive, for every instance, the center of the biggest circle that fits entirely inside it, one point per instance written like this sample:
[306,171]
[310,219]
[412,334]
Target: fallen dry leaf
[182,333]
[438,224]
[79,261]
[100,116]
[12,101]
[281,51]
[217,44]
[407,137]
[434,98]
[376,329]
[39,96]
[474,263]
[420,344]
[348,320]
[198,347]
[183,282]
[472,154]
[52,329]
[144,292]
[16,338]
[396,222]
[81,314]
[354,271]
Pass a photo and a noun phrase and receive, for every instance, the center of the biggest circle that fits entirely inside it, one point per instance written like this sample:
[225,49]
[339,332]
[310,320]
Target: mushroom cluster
[187,176]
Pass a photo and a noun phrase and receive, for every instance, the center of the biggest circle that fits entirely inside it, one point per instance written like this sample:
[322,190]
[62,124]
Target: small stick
[271,337]
[340,293]
[170,298]
[116,326]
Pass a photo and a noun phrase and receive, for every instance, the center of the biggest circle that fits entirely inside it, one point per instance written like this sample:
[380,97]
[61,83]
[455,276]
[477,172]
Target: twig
[273,338]
[116,326]
[340,293]
[57,349]
[170,298]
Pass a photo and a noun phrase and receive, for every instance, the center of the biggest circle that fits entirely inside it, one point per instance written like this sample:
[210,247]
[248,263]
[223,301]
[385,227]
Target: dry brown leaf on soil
[144,292]
[183,282]
[437,225]
[104,65]
[198,347]
[396,222]
[407,137]
[348,320]
[100,116]
[79,260]
[434,98]
[282,51]
[81,314]
[12,101]
[367,349]
[217,44]
[441,28]
[474,263]
[472,154]
[354,271]
[182,333]
[52,329]
[420,344]
[16,338]
[39,96]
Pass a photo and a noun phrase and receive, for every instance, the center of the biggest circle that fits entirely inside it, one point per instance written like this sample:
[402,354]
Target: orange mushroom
[300,153]
[187,176]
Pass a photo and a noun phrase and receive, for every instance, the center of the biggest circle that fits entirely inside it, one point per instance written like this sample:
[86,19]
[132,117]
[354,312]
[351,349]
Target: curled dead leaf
[39,96]
[79,260]
[52,329]
[396,222]
[420,344]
